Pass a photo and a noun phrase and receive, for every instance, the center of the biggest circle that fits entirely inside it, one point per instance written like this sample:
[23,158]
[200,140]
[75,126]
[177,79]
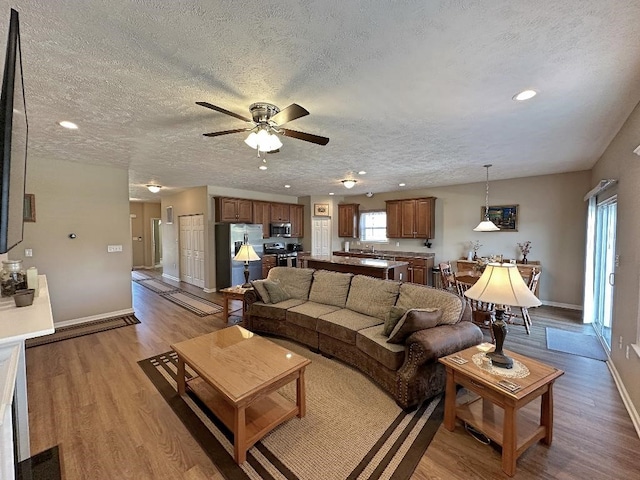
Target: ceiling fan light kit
[486,225]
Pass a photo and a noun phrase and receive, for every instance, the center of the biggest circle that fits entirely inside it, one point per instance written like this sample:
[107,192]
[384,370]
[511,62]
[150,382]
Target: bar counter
[386,269]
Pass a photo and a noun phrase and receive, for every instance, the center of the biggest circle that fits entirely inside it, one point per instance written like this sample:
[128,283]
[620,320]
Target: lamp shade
[502,284]
[246,254]
[486,226]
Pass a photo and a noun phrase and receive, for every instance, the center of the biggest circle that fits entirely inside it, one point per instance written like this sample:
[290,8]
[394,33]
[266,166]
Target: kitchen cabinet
[280,213]
[268,262]
[420,269]
[233,210]
[348,220]
[262,215]
[411,218]
[297,220]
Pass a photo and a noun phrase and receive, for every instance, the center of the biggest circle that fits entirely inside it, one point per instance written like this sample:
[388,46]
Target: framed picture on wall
[321,209]
[29,207]
[505,217]
[169,215]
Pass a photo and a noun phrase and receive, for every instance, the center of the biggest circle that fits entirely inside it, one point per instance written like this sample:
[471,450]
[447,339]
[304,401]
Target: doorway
[192,249]
[604,268]
[156,242]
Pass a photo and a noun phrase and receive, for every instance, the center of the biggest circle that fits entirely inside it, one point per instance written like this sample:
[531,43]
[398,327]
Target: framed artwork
[321,209]
[29,207]
[169,215]
[505,217]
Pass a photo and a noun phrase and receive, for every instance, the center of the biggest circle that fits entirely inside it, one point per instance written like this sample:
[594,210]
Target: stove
[284,257]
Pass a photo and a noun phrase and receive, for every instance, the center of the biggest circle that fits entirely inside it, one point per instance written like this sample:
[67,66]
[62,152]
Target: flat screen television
[13,142]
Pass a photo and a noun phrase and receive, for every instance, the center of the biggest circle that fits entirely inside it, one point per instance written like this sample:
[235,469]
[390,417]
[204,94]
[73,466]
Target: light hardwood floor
[89,396]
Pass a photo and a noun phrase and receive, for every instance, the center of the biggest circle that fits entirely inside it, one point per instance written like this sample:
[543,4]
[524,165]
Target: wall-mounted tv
[13,142]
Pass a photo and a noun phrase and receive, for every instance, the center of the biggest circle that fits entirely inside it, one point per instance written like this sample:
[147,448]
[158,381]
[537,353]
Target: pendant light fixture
[486,225]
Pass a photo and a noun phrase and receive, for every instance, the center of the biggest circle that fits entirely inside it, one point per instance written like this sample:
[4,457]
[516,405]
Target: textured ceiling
[410,91]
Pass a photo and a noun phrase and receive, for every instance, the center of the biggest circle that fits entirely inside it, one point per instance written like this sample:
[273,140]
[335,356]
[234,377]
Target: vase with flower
[524,249]
[475,246]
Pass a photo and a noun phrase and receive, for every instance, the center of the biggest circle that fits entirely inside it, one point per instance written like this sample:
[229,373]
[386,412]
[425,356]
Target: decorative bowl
[24,297]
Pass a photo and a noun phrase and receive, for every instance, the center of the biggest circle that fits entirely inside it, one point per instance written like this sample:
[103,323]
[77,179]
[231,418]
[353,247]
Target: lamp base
[499,359]
[246,283]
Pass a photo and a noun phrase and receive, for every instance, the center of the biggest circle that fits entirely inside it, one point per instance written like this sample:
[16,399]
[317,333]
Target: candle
[32,279]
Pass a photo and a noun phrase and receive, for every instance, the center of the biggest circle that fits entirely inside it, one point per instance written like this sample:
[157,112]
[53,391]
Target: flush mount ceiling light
[69,125]
[154,188]
[349,183]
[486,225]
[524,95]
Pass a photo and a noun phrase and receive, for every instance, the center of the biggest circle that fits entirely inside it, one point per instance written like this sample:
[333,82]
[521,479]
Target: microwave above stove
[280,230]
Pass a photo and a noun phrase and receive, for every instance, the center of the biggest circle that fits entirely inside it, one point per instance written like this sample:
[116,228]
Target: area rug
[352,429]
[88,328]
[157,286]
[139,275]
[193,303]
[581,344]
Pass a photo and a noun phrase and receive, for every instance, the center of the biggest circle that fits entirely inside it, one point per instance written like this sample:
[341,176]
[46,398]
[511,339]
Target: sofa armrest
[437,342]
[250,297]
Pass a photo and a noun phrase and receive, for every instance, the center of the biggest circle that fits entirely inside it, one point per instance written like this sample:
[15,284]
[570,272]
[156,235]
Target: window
[373,226]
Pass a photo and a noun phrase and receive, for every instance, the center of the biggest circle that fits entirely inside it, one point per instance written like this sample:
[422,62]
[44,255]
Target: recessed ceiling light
[262,167]
[69,125]
[525,95]
[287,186]
[362,172]
[401,184]
[331,193]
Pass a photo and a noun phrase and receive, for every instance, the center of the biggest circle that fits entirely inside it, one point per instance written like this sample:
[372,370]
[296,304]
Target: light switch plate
[114,248]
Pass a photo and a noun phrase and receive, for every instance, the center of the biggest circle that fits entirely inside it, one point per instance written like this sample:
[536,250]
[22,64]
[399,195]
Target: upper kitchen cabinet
[233,210]
[411,218]
[262,216]
[297,220]
[348,220]
[280,213]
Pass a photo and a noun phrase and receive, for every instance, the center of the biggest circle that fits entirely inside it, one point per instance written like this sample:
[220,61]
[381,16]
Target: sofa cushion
[295,281]
[344,324]
[417,296]
[273,311]
[372,296]
[306,314]
[373,342]
[276,292]
[261,290]
[391,319]
[414,320]
[330,288]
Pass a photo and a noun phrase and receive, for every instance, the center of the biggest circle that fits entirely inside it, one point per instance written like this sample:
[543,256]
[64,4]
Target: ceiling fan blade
[222,110]
[307,137]
[292,112]
[225,132]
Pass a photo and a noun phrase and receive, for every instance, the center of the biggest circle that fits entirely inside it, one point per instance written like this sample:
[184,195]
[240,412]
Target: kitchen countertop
[386,253]
[359,262]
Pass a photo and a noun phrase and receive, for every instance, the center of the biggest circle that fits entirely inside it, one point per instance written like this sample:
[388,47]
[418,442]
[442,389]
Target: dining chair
[446,275]
[482,313]
[526,318]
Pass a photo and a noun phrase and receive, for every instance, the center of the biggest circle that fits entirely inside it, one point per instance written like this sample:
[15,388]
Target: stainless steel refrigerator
[229,238]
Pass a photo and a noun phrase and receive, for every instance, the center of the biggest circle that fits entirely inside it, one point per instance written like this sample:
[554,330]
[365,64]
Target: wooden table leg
[240,436]
[225,307]
[509,438]
[450,402]
[300,395]
[546,414]
[181,377]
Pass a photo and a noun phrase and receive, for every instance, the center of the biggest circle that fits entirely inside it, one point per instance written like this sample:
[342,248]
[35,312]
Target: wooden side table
[515,433]
[234,293]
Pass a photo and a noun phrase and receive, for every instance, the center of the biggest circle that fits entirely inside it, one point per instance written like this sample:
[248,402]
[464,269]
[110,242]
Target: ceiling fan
[267,120]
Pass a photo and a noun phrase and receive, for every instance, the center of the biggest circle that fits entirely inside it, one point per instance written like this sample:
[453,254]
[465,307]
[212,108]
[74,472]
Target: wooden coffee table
[238,375]
[504,425]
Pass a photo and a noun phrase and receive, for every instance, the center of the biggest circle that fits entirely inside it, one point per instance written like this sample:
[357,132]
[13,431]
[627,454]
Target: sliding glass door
[604,267]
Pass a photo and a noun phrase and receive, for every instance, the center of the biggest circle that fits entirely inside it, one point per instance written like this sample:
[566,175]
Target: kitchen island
[386,269]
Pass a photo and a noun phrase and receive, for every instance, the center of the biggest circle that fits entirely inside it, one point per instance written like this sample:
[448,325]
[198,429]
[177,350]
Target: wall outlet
[28,252]
[114,248]
[397,244]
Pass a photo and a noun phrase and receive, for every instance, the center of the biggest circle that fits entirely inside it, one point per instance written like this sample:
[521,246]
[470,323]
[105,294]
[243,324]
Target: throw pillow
[391,320]
[277,294]
[414,320]
[261,290]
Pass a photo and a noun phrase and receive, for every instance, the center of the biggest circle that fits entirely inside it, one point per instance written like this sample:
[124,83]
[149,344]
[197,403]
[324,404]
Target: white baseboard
[171,277]
[562,305]
[91,318]
[633,413]
[209,290]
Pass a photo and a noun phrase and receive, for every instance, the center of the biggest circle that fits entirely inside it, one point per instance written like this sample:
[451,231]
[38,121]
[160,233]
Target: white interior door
[186,249]
[321,237]
[197,225]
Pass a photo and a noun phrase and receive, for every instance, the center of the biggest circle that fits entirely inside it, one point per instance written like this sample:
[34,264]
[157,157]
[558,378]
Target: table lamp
[502,285]
[246,254]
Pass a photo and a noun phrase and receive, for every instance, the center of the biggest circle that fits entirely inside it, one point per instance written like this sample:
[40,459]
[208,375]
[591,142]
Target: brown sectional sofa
[342,316]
